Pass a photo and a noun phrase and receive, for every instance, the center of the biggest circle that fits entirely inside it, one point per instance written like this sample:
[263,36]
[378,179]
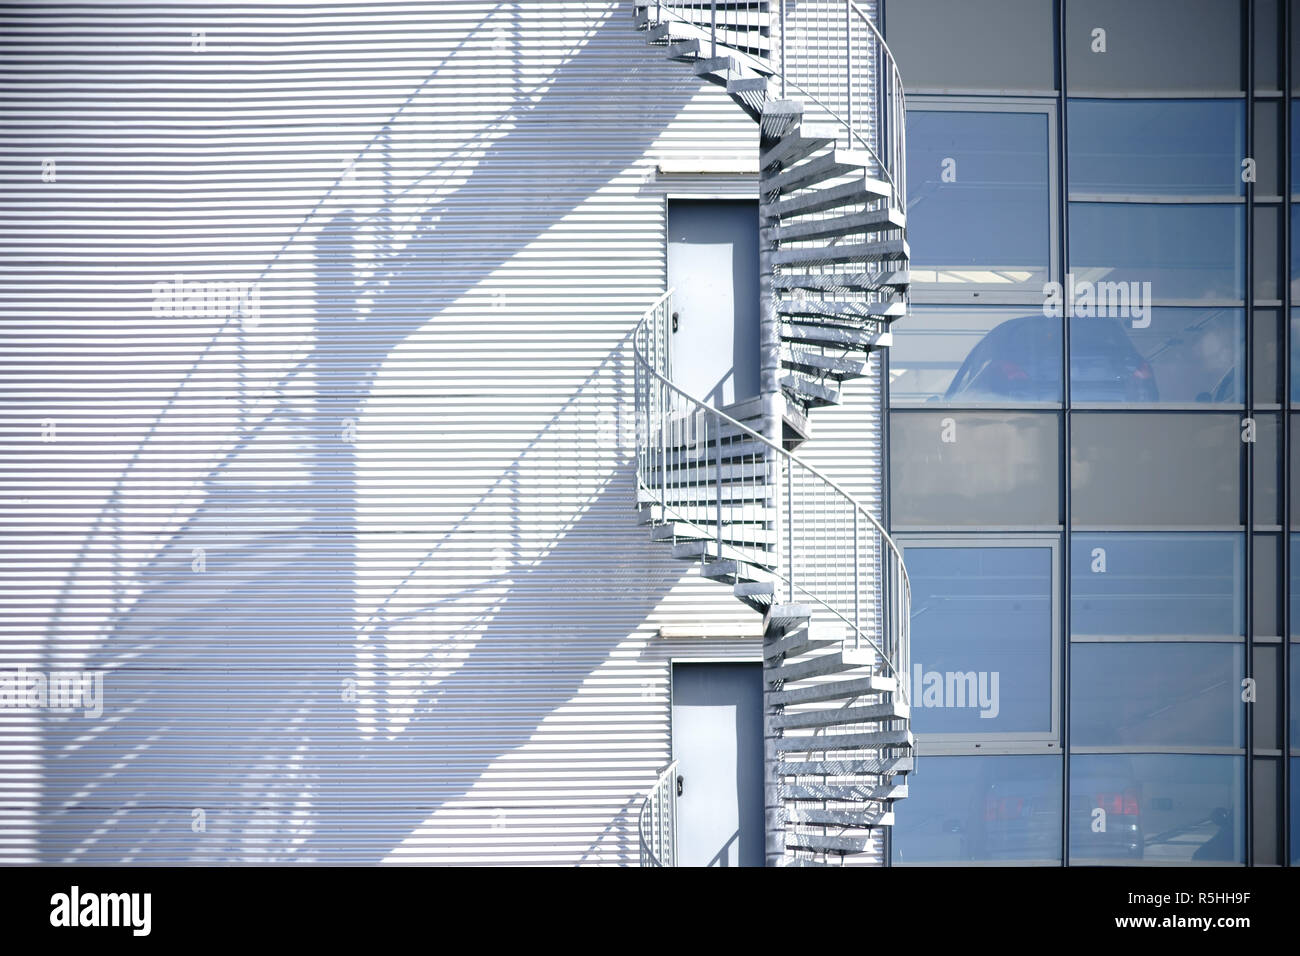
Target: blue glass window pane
[1295,567]
[982,808]
[978,197]
[1295,809]
[1147,585]
[1181,355]
[975,354]
[1156,695]
[1295,143]
[981,639]
[1178,808]
[1184,251]
[1156,147]
[1295,695]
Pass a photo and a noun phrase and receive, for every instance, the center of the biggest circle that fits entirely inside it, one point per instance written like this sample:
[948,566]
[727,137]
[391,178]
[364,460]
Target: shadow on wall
[277,713]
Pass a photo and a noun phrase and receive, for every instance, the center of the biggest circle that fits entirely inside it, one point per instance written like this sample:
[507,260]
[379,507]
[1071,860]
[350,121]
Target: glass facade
[982,640]
[1093,432]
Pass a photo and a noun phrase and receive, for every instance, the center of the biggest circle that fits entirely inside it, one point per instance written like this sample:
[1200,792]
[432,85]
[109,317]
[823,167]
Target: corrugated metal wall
[313,324]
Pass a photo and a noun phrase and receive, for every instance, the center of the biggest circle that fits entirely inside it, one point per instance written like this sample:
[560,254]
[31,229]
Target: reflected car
[1020,360]
[1015,818]
[1114,834]
[1019,818]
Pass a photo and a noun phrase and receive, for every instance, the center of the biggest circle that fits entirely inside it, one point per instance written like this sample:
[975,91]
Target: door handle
[675,315]
[680,781]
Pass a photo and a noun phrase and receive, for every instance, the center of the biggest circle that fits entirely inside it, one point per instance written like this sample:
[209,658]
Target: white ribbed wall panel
[360,564]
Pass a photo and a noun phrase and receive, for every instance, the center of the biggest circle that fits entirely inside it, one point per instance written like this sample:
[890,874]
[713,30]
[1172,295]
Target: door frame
[673,661]
[745,191]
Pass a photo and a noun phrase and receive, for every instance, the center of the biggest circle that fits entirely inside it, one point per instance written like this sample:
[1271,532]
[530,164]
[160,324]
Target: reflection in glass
[1181,355]
[1295,136]
[975,354]
[1156,695]
[1155,470]
[982,469]
[1295,698]
[1147,585]
[1295,347]
[1183,808]
[1186,252]
[1294,590]
[982,808]
[1124,147]
[978,198]
[1173,47]
[1295,252]
[981,639]
[1295,809]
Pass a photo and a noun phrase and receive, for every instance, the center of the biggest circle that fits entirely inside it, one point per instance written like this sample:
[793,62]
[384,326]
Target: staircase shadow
[337,744]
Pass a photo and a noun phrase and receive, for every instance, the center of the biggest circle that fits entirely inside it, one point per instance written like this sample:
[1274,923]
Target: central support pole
[769,330]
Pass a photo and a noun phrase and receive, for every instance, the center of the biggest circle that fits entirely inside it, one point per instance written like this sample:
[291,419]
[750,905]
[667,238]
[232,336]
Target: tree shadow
[276,688]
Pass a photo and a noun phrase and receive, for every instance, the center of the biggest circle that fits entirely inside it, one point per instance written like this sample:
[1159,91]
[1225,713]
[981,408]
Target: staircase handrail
[657,396]
[657,821]
[865,53]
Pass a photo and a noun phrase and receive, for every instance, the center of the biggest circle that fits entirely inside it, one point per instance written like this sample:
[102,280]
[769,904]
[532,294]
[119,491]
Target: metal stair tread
[872,792]
[837,366]
[857,252]
[707,549]
[849,337]
[868,221]
[798,143]
[850,281]
[688,471]
[814,841]
[836,690]
[731,533]
[863,740]
[748,514]
[861,189]
[740,570]
[835,308]
[860,819]
[811,667]
[830,165]
[706,495]
[794,644]
[872,766]
[809,389]
[708,449]
[838,716]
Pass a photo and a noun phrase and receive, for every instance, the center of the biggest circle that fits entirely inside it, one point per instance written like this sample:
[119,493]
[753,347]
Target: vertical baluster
[672,821]
[659,821]
[790,525]
[780,37]
[857,621]
[848,60]
[717,465]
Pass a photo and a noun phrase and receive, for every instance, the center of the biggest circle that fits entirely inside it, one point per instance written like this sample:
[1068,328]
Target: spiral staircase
[724,489]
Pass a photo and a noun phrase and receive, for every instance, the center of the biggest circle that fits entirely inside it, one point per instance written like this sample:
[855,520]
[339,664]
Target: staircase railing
[713,476]
[657,824]
[863,93]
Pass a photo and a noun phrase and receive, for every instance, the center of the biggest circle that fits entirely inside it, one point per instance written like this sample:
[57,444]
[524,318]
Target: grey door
[718,745]
[713,265]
